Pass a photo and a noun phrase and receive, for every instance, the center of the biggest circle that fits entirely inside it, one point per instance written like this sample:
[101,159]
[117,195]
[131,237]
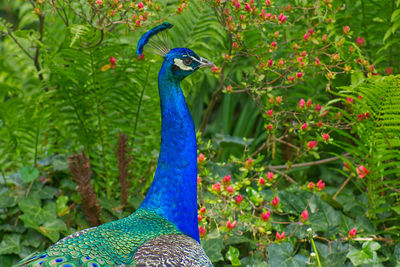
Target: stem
[140,101]
[341,188]
[217,93]
[316,252]
[312,163]
[100,122]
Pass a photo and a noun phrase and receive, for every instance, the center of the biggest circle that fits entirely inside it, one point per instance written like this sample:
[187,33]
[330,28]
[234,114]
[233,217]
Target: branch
[312,163]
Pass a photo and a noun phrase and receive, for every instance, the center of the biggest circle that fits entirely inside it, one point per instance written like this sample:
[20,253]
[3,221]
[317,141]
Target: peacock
[164,229]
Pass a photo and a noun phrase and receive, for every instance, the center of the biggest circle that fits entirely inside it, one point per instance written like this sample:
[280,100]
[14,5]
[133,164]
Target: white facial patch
[179,62]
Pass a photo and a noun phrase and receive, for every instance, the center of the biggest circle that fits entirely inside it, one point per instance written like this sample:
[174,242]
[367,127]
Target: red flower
[299,75]
[317,62]
[248,164]
[310,185]
[360,41]
[320,185]
[270,176]
[324,38]
[302,103]
[281,62]
[270,127]
[304,126]
[304,215]
[275,201]
[346,29]
[270,113]
[199,218]
[279,99]
[265,216]
[350,100]
[216,187]
[273,44]
[113,61]
[202,210]
[309,103]
[291,78]
[267,2]
[389,70]
[247,6]
[311,31]
[230,225]
[320,123]
[280,237]
[312,144]
[235,45]
[362,171]
[306,37]
[230,189]
[352,232]
[281,18]
[226,179]
[239,199]
[318,107]
[202,231]
[200,158]
[215,69]
[325,137]
[270,63]
[261,181]
[99,2]
[140,5]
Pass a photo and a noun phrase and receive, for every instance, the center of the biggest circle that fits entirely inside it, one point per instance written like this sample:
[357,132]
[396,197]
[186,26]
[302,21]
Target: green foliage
[60,95]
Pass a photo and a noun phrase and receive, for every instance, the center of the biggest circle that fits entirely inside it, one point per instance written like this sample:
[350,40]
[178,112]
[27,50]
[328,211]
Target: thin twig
[341,188]
[312,163]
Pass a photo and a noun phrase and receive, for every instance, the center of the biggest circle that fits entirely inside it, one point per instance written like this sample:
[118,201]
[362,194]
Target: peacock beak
[205,63]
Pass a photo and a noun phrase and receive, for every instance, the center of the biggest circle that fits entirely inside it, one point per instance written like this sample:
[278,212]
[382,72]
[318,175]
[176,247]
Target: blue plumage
[164,230]
[146,37]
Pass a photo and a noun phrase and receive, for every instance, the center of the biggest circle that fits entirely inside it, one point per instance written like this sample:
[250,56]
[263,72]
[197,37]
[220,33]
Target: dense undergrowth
[298,125]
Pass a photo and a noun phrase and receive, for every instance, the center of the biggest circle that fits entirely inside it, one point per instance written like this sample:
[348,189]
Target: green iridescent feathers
[112,243]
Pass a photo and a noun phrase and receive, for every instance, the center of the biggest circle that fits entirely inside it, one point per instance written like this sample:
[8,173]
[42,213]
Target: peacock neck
[173,193]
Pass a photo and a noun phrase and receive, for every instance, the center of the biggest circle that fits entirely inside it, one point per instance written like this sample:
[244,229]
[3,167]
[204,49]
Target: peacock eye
[187,61]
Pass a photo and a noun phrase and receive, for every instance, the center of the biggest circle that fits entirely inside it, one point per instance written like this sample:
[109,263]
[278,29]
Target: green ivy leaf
[52,229]
[10,244]
[280,255]
[213,248]
[325,219]
[254,196]
[7,200]
[61,204]
[233,256]
[367,255]
[29,174]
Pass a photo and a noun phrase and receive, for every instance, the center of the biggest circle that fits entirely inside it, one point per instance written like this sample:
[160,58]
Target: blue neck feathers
[173,193]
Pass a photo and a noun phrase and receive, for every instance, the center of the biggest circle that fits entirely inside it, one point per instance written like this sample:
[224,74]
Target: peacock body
[164,230]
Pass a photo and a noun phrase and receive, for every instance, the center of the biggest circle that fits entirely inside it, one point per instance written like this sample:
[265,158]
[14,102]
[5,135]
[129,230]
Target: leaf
[53,228]
[253,195]
[29,174]
[281,255]
[325,219]
[61,204]
[10,244]
[7,200]
[395,258]
[395,15]
[233,256]
[213,248]
[367,255]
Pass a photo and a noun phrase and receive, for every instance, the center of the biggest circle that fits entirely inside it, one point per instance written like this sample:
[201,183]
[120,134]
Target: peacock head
[180,62]
[183,62]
